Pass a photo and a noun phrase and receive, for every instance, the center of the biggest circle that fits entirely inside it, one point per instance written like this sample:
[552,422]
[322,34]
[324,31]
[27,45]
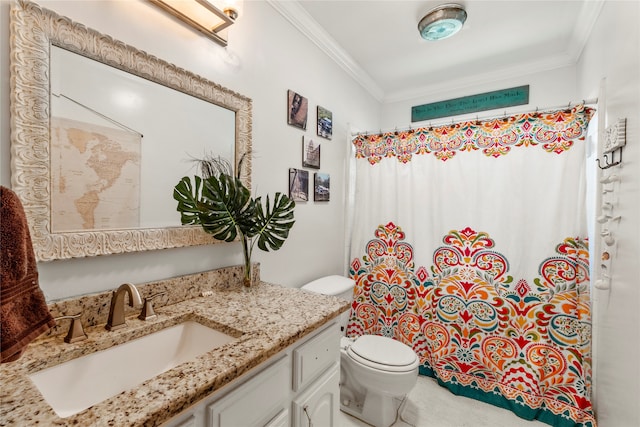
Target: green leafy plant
[223,206]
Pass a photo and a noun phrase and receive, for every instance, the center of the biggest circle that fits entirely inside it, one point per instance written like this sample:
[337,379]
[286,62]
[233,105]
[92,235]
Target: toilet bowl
[376,372]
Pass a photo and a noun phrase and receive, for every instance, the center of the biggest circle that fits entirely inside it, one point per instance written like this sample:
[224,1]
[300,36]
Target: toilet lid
[383,353]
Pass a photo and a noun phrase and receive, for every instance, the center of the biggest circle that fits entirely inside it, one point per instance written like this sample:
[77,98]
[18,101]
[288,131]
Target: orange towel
[24,314]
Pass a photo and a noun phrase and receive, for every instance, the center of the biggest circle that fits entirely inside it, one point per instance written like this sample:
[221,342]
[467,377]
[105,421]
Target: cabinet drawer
[313,357]
[256,402]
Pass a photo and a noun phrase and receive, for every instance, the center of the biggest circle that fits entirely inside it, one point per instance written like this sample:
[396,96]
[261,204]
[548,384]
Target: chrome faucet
[116,312]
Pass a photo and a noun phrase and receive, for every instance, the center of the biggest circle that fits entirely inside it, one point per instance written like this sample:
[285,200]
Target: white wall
[613,54]
[265,57]
[546,89]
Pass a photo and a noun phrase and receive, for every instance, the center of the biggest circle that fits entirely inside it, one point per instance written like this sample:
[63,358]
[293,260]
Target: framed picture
[298,185]
[325,122]
[297,110]
[321,187]
[310,153]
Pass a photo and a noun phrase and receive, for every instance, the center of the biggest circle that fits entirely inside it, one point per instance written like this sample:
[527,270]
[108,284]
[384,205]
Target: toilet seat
[382,353]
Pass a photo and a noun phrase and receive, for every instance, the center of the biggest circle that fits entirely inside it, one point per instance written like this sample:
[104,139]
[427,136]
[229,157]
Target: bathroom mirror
[100,134]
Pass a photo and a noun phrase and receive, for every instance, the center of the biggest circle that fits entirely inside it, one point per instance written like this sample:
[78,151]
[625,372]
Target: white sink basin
[73,386]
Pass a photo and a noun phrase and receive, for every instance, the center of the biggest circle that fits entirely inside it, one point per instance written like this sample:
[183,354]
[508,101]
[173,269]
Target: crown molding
[586,20]
[300,18]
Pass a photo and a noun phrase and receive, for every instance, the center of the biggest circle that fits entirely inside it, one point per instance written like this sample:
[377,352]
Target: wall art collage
[297,116]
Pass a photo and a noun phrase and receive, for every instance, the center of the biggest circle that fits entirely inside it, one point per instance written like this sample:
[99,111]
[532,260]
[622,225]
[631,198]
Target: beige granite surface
[265,320]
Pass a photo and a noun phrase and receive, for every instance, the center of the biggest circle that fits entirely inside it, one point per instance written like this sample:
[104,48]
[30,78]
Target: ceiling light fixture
[202,15]
[442,22]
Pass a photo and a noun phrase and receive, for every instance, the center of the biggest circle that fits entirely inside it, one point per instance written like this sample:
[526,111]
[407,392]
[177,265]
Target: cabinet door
[256,402]
[318,405]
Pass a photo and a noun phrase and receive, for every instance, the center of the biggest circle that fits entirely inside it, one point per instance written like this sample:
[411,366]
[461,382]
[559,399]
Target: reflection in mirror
[101,133]
[117,138]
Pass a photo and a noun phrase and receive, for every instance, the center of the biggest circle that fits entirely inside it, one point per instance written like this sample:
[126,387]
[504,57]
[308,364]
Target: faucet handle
[76,332]
[147,309]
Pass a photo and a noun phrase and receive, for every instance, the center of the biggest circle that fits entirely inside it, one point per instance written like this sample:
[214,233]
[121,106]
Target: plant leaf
[187,197]
[220,204]
[228,205]
[273,224]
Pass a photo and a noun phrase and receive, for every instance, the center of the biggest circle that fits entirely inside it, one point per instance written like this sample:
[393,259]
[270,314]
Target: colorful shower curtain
[469,244]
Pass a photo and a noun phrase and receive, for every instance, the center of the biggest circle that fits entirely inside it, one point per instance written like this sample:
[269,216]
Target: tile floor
[430,405]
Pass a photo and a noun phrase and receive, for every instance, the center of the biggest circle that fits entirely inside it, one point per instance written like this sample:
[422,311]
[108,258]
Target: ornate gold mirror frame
[33,31]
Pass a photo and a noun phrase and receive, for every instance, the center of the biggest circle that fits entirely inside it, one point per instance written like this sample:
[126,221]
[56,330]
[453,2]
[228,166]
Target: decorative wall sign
[325,122]
[297,110]
[470,104]
[298,185]
[310,153]
[321,187]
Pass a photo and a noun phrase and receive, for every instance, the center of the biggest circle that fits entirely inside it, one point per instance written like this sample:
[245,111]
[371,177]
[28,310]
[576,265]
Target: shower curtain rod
[590,101]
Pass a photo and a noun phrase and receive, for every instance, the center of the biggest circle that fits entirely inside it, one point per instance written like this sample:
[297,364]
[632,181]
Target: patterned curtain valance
[555,131]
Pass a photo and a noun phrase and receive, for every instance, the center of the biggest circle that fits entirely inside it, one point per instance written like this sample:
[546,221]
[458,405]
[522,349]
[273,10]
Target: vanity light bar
[201,15]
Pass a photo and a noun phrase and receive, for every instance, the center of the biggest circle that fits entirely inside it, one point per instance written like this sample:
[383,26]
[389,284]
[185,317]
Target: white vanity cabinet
[297,385]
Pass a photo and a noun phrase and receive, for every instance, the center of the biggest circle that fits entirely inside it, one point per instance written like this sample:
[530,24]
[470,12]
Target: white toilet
[376,372]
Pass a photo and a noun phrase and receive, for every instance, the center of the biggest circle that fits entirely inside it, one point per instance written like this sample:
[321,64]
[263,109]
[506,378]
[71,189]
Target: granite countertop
[264,320]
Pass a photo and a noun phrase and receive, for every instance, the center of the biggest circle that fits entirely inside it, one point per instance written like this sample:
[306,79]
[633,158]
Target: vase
[247,275]
[247,269]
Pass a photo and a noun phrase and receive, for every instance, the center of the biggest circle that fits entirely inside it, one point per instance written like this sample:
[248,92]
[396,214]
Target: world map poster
[95,177]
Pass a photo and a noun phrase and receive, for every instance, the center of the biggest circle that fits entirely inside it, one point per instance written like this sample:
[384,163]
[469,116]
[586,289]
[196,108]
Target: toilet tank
[338,286]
